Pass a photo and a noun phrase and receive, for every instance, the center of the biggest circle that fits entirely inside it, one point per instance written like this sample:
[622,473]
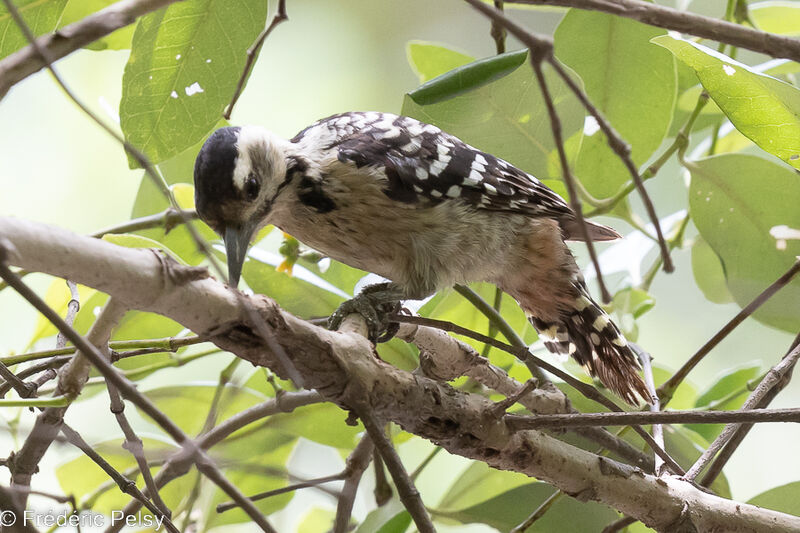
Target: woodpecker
[391,195]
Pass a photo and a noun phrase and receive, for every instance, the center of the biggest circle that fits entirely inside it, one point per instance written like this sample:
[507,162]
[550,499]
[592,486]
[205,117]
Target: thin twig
[167,219]
[521,422]
[538,513]
[125,485]
[70,383]
[73,306]
[667,389]
[541,49]
[498,32]
[12,380]
[680,142]
[566,171]
[383,489]
[357,463]
[619,525]
[770,380]
[425,462]
[136,447]
[252,53]
[166,344]
[227,506]
[178,465]
[496,319]
[406,489]
[658,431]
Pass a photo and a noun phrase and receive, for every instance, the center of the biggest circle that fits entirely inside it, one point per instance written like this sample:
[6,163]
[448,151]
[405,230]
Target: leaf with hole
[183,69]
[733,203]
[763,108]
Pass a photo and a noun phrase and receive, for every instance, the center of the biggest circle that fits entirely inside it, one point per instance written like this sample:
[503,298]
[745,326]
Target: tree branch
[22,63]
[518,422]
[332,361]
[722,31]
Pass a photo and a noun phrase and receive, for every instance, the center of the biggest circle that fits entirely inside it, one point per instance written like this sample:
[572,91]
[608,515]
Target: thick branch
[683,21]
[331,362]
[653,417]
[68,39]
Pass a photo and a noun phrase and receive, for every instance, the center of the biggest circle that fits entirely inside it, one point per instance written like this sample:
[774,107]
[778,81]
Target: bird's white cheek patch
[241,170]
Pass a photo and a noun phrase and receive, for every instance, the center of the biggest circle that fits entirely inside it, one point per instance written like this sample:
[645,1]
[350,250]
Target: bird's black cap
[213,176]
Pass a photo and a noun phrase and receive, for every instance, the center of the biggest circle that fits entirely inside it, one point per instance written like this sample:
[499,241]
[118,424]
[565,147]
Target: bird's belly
[421,248]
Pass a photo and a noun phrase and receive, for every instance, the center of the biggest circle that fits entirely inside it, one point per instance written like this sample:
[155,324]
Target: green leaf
[42,17]
[508,509]
[150,200]
[429,60]
[183,69]
[632,82]
[685,447]
[763,108]
[495,104]
[79,9]
[778,17]
[317,520]
[337,274]
[188,405]
[391,517]
[451,306]
[293,294]
[727,392]
[708,273]
[58,297]
[785,499]
[731,380]
[130,240]
[733,203]
[478,483]
[400,354]
[322,423]
[256,464]
[628,305]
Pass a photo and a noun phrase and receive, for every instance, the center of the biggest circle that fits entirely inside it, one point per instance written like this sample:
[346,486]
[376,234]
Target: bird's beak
[237,240]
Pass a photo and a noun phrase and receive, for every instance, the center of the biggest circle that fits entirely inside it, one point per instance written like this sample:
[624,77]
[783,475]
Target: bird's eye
[251,187]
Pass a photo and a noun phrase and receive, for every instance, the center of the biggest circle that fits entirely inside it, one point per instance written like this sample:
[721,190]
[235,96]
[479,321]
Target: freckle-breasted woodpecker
[405,200]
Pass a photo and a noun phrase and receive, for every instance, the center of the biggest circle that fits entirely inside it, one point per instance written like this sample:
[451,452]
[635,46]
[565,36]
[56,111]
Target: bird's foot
[375,303]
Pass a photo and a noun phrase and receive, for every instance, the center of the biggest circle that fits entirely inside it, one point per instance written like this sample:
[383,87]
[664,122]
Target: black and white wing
[423,163]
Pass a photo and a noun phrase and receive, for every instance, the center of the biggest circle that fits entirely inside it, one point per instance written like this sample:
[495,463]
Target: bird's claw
[374,312]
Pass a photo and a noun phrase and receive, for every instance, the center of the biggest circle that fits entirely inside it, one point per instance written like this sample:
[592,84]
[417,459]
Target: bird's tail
[587,333]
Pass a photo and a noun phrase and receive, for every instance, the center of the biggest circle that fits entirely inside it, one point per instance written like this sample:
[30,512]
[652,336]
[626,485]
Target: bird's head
[237,176]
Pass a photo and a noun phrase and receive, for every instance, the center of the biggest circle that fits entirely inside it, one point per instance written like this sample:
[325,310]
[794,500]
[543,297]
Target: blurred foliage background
[57,167]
